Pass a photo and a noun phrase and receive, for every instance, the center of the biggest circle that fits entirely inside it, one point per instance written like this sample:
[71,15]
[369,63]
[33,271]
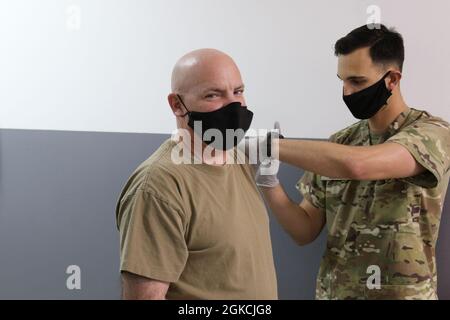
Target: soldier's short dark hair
[386,45]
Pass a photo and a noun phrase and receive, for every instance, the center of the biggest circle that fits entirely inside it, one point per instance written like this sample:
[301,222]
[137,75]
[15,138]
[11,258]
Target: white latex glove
[262,152]
[267,173]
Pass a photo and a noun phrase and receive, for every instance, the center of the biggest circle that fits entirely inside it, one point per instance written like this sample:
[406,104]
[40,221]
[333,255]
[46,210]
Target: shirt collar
[402,120]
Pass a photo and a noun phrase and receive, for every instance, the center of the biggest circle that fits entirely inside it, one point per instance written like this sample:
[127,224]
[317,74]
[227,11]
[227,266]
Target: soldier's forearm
[294,220]
[324,158]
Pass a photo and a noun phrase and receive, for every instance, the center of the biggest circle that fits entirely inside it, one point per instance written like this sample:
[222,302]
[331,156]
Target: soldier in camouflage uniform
[389,223]
[378,192]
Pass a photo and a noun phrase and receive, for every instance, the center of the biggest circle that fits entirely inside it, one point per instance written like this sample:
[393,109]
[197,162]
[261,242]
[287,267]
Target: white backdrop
[97,65]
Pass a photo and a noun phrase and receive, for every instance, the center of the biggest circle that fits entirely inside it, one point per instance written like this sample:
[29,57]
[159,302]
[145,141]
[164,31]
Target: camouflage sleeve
[429,143]
[312,188]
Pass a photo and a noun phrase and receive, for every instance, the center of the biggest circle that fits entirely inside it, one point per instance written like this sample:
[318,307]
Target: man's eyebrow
[212,89]
[354,78]
[219,90]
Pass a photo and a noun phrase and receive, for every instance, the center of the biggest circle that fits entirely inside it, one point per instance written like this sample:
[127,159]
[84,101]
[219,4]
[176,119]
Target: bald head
[205,80]
[200,67]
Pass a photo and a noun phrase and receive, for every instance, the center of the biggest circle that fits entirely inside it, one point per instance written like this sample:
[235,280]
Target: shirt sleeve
[152,238]
[312,188]
[429,143]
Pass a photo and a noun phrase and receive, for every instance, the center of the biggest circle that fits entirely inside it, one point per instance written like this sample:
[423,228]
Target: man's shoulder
[155,175]
[426,128]
[425,118]
[155,183]
[160,162]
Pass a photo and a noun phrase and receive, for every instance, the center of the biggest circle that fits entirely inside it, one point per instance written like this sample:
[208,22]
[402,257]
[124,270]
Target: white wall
[113,73]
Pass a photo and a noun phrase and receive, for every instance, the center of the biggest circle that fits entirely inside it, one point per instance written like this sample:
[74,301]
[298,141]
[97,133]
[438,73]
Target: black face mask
[231,117]
[366,103]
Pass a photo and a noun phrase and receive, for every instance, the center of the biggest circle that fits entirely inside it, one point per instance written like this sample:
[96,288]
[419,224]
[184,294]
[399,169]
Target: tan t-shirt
[202,228]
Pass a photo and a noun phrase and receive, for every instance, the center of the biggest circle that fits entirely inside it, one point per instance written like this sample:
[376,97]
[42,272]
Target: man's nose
[233,98]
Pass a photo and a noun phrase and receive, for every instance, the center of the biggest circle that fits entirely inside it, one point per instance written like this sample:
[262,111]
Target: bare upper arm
[385,161]
[135,287]
[316,216]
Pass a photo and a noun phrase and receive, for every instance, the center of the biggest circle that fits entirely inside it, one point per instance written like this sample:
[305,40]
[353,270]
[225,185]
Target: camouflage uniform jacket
[391,224]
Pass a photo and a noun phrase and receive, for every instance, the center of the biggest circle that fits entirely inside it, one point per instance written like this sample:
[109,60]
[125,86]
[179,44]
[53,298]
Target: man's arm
[135,287]
[303,222]
[383,161]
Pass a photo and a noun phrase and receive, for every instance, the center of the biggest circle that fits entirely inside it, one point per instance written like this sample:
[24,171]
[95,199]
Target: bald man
[197,231]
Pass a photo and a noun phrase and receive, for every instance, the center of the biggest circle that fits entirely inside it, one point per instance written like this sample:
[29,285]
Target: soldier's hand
[267,172]
[262,153]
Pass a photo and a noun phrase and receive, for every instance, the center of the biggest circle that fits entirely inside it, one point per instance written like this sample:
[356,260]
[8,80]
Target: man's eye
[211,96]
[239,92]
[358,82]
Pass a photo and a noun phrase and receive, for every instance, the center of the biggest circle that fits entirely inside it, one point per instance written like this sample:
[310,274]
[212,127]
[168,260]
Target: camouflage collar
[405,118]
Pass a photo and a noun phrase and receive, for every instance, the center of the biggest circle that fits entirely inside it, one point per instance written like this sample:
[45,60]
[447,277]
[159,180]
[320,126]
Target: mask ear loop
[181,100]
[386,75]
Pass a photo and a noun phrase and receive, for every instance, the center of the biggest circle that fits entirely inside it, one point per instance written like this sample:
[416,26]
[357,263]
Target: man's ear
[393,80]
[175,105]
